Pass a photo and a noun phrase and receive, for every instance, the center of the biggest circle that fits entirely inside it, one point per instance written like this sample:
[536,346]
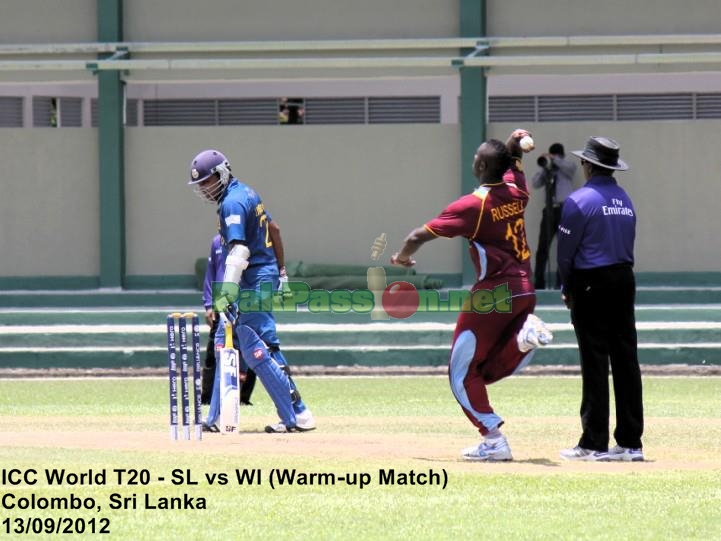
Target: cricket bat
[229,362]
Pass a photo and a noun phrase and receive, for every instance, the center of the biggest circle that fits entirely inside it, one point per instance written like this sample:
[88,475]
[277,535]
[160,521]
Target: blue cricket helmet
[205,165]
[208,163]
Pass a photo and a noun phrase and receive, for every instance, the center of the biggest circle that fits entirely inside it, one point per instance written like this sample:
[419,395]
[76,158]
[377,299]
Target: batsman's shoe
[534,333]
[211,428]
[304,422]
[489,450]
[281,428]
[625,454]
[580,454]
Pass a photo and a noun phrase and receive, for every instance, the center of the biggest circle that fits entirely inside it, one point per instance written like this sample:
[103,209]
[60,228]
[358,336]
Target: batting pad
[275,381]
[298,404]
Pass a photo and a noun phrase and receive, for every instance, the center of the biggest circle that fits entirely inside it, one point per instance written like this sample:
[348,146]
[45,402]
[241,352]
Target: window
[11,112]
[404,110]
[131,112]
[617,107]
[57,112]
[292,111]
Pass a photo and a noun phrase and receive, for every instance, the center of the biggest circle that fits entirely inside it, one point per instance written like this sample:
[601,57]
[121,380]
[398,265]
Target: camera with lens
[545,163]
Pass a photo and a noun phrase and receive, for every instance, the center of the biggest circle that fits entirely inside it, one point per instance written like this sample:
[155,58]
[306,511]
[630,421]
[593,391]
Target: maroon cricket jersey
[491,218]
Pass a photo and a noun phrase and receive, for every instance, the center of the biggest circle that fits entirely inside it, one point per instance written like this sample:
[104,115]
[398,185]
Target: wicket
[184,378]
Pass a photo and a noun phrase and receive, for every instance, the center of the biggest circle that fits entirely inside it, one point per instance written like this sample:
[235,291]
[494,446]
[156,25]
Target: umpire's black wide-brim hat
[604,152]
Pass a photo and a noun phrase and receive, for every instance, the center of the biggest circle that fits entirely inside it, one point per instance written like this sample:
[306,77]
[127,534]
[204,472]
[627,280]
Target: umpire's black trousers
[602,312]
[246,387]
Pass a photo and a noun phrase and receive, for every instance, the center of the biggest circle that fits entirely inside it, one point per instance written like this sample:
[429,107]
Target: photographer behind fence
[556,175]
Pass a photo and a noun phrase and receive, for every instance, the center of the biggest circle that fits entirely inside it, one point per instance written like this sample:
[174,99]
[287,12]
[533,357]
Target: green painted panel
[310,357]
[472,109]
[138,315]
[111,154]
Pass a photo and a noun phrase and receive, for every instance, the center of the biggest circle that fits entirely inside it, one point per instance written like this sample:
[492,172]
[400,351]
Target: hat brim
[620,164]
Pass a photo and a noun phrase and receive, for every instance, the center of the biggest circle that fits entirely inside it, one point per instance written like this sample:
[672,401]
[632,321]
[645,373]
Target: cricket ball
[527,144]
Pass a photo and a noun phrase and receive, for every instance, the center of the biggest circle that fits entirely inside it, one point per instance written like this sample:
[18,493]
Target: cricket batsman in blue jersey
[247,234]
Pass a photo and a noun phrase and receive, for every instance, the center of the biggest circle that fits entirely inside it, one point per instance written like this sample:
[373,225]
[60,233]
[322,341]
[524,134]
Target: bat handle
[228,330]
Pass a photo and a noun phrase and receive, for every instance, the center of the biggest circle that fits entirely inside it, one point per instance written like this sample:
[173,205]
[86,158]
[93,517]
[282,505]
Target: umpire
[214,273]
[595,260]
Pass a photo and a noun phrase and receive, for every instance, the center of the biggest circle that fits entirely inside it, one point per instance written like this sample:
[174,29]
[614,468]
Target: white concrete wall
[250,20]
[611,17]
[47,21]
[332,190]
[673,180]
[49,208]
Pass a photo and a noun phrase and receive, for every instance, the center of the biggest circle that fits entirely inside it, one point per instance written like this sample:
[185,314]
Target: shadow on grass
[536,461]
[539,462]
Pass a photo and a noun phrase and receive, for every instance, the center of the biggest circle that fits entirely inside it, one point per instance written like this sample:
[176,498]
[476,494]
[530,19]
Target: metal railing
[374,53]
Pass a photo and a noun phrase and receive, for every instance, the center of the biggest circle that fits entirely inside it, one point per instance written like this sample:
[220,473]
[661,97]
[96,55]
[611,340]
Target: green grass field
[407,424]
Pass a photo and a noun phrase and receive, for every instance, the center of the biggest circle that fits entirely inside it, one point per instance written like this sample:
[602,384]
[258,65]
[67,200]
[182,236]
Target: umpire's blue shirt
[215,271]
[597,229]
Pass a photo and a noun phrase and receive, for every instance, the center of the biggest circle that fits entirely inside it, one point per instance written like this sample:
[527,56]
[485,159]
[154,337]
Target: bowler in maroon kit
[489,346]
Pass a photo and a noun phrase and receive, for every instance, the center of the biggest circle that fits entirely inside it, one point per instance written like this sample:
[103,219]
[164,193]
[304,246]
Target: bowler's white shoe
[534,333]
[489,450]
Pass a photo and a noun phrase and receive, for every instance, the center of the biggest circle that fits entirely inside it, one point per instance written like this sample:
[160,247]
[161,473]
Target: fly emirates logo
[618,209]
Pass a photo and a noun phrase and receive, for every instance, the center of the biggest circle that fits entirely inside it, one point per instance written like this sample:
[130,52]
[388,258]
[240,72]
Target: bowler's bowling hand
[407,262]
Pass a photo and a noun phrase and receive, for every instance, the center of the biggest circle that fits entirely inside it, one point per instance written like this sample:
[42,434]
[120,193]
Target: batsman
[247,235]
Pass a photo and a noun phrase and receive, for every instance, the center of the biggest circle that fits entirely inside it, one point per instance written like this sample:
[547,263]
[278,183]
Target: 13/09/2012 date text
[51,525]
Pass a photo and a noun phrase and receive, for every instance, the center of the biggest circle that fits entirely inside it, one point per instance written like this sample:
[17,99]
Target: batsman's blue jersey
[243,218]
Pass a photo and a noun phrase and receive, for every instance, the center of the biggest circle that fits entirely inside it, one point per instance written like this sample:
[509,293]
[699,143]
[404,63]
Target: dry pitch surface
[336,439]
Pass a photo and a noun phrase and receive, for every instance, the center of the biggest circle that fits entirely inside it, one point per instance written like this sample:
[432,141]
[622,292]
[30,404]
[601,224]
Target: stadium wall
[49,208]
[332,189]
[672,180]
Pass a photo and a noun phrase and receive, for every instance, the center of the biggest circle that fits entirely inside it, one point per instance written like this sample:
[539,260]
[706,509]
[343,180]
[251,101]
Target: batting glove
[232,312]
[284,290]
[224,299]
[224,293]
[222,303]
